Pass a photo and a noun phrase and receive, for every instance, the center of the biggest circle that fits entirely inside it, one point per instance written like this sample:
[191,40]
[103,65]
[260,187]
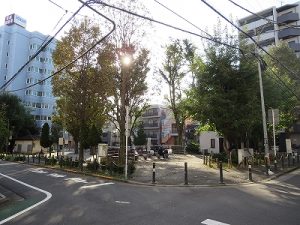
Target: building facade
[17,45]
[272,25]
[159,125]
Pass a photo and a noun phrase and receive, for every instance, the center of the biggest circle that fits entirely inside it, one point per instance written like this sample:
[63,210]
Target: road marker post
[185,174]
[153,174]
[221,172]
[250,172]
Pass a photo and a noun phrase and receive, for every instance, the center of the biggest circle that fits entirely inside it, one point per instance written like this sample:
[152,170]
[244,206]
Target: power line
[41,49]
[79,57]
[183,18]
[254,41]
[165,24]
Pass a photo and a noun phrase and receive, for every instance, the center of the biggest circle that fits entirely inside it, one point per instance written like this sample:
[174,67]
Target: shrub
[192,148]
[221,156]
[93,166]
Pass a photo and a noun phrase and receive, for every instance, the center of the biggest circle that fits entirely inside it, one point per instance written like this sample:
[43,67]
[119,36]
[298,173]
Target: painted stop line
[213,222]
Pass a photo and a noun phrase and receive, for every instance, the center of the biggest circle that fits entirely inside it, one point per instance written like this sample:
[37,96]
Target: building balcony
[288,18]
[288,33]
[150,114]
[152,125]
[295,46]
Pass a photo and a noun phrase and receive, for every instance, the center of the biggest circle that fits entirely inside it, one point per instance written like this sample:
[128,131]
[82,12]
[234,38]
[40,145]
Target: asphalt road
[77,199]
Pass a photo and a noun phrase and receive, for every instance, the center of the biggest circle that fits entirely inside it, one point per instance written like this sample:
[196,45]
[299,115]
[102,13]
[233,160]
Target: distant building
[159,125]
[17,45]
[267,33]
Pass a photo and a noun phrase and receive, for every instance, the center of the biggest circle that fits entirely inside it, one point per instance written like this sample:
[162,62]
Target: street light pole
[266,142]
[126,141]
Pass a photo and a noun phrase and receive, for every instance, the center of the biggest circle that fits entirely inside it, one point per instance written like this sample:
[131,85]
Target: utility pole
[126,141]
[263,110]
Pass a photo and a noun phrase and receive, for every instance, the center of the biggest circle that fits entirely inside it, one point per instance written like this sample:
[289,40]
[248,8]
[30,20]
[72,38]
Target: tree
[281,85]
[18,119]
[179,56]
[140,138]
[94,139]
[45,140]
[226,94]
[55,130]
[84,87]
[129,80]
[4,131]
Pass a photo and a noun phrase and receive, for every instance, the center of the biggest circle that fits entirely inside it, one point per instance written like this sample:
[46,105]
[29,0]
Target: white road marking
[213,222]
[7,164]
[94,185]
[55,175]
[122,202]
[76,180]
[37,171]
[48,196]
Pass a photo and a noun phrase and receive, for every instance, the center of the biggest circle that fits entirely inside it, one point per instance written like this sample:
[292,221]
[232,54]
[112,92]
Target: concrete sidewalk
[171,172]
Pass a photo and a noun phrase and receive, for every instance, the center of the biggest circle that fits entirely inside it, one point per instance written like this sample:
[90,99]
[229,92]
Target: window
[8,42]
[212,143]
[5,77]
[6,53]
[49,117]
[6,65]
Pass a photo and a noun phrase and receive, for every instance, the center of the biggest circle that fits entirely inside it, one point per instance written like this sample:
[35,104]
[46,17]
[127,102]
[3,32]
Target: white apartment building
[274,24]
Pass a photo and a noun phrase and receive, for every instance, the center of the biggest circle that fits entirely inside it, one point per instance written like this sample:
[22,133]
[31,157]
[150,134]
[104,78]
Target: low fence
[108,167]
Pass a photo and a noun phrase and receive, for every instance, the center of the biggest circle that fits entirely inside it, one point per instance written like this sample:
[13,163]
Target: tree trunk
[76,147]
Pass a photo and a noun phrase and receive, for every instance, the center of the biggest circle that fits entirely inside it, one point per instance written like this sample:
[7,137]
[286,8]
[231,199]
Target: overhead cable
[254,41]
[83,54]
[41,49]
[165,24]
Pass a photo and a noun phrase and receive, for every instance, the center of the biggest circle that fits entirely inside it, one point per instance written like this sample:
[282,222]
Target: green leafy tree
[4,131]
[94,139]
[226,94]
[19,120]
[84,87]
[45,140]
[56,131]
[140,138]
[279,93]
[179,56]
[129,80]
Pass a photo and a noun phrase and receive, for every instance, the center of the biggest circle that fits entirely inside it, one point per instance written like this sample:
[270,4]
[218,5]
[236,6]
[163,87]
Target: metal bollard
[210,159]
[289,160]
[267,166]
[203,159]
[185,174]
[250,172]
[294,159]
[39,158]
[153,174]
[298,158]
[282,161]
[275,164]
[28,158]
[221,172]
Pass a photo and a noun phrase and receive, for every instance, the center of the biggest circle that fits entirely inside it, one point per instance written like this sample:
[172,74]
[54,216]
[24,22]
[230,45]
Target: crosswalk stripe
[213,222]
[95,185]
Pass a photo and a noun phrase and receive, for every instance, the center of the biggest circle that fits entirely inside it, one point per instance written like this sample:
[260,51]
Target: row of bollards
[186,182]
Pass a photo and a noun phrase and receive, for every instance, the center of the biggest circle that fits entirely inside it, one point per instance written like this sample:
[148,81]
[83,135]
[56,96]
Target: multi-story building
[17,45]
[159,125]
[274,24]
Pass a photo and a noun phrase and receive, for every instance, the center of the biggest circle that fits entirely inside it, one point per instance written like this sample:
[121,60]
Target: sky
[46,16]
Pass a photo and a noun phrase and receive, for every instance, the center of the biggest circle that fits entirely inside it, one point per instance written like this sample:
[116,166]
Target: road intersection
[78,199]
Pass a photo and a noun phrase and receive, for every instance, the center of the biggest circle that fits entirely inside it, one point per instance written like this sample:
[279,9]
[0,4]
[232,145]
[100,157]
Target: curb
[279,174]
[247,182]
[2,198]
